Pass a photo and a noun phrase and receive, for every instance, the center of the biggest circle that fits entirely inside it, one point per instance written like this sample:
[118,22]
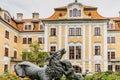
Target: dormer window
[79,13]
[41,27]
[111,25]
[6,17]
[75,13]
[28,26]
[70,13]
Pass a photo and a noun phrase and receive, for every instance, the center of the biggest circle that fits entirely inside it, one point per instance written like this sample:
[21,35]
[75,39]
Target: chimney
[119,14]
[19,16]
[35,16]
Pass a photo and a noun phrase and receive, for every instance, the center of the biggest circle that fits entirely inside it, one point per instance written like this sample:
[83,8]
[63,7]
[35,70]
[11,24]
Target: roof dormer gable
[75,10]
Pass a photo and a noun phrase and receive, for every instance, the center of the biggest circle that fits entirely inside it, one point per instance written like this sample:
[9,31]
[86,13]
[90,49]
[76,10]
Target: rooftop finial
[76,1]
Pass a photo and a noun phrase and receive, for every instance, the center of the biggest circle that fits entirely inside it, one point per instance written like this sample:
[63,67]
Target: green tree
[35,55]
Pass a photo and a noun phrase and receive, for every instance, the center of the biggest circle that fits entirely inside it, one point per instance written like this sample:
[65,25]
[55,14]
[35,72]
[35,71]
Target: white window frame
[112,50]
[109,25]
[96,67]
[28,23]
[78,8]
[98,44]
[7,46]
[75,44]
[42,25]
[110,42]
[53,44]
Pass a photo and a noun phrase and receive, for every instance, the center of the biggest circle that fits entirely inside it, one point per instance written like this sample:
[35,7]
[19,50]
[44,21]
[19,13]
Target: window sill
[97,35]
[53,36]
[25,44]
[7,38]
[111,43]
[74,35]
[112,60]
[97,55]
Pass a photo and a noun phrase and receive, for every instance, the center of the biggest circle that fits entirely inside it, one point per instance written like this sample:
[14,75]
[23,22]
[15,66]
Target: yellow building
[92,41]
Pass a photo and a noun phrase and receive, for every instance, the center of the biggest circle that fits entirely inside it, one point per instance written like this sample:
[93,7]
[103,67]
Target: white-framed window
[77,69]
[70,13]
[111,40]
[110,67]
[53,32]
[52,48]
[75,13]
[97,31]
[97,68]
[111,25]
[15,53]
[75,52]
[7,17]
[111,55]
[15,38]
[6,50]
[5,67]
[41,27]
[71,32]
[41,40]
[71,52]
[117,67]
[75,31]
[78,31]
[27,40]
[97,50]
[7,34]
[28,26]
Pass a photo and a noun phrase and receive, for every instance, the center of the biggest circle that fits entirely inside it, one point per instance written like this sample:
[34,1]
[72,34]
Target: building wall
[9,43]
[88,40]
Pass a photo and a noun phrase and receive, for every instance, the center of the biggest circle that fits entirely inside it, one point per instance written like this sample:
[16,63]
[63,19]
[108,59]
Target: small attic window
[28,27]
[41,27]
[6,17]
[60,14]
[75,13]
[111,26]
[119,24]
[89,14]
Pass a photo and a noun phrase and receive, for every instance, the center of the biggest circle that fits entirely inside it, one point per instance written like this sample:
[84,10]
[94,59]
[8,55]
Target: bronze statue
[55,69]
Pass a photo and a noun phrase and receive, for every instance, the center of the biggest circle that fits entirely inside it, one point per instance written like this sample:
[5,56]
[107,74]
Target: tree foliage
[35,55]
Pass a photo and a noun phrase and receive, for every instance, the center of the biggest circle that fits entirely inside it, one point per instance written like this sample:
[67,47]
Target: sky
[106,8]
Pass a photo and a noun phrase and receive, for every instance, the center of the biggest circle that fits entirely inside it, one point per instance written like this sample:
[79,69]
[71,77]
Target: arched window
[75,12]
